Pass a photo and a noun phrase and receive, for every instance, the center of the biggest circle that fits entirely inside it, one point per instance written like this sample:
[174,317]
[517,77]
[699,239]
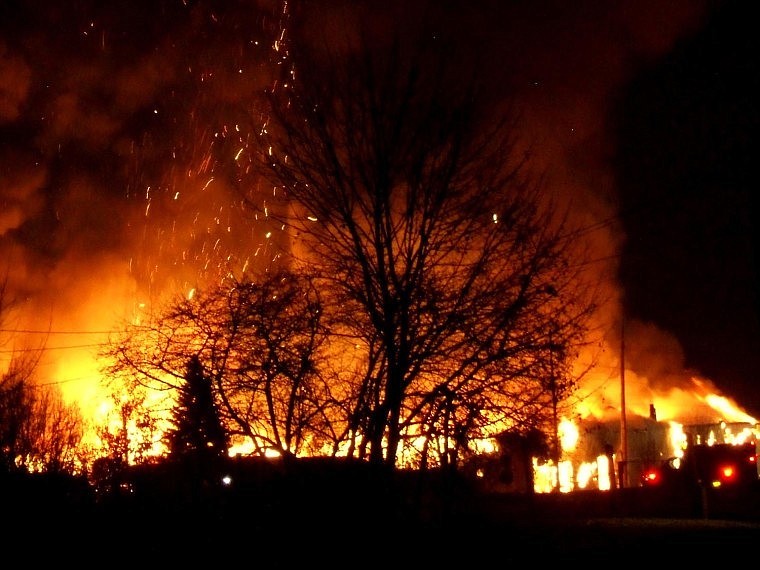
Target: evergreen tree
[197,429]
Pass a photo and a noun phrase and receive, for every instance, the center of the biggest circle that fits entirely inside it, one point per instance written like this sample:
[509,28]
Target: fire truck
[720,465]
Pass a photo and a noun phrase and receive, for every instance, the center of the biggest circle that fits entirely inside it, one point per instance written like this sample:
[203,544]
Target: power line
[47,348]
[33,331]
[60,382]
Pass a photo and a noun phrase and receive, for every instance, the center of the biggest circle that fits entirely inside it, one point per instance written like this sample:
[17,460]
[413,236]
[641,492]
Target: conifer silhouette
[197,429]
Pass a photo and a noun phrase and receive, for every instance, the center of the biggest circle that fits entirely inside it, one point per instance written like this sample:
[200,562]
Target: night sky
[118,122]
[686,173]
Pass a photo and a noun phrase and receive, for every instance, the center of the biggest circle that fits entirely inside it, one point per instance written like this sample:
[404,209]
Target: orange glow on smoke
[74,362]
[189,231]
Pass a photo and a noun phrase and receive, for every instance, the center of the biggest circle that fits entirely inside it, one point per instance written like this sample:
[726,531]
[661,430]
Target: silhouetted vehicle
[707,466]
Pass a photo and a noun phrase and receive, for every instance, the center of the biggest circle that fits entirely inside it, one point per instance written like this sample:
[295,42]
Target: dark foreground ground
[343,524]
[628,528]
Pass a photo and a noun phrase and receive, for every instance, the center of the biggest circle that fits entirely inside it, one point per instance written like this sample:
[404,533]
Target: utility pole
[556,445]
[623,421]
[556,452]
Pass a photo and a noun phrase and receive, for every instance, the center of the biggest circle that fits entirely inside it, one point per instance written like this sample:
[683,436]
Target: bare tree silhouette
[449,268]
[259,344]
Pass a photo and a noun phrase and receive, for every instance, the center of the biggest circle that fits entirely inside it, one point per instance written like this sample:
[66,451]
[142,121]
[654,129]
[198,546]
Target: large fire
[183,228]
[656,425]
[590,419]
